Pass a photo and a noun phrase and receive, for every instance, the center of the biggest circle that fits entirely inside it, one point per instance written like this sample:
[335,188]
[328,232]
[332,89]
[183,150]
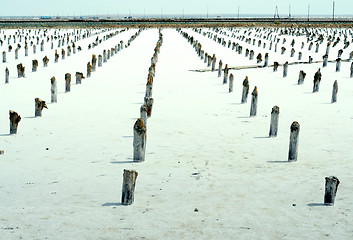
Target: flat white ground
[203,149]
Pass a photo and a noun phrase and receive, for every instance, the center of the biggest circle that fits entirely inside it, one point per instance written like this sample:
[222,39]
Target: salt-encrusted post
[62,54]
[225,75]
[108,54]
[266,60]
[7,75]
[99,60]
[94,63]
[317,79]
[104,56]
[14,120]
[317,47]
[128,189]
[339,54]
[67,82]
[259,58]
[42,46]
[274,121]
[231,80]
[293,142]
[253,108]
[149,84]
[45,61]
[4,57]
[331,185]
[214,59]
[334,92]
[251,55]
[56,56]
[292,52]
[285,69]
[310,59]
[220,68]
[149,103]
[338,64]
[26,50]
[34,65]
[328,48]
[20,70]
[69,51]
[300,55]
[275,66]
[79,77]
[244,97]
[325,58]
[16,53]
[89,69]
[352,70]
[139,143]
[34,49]
[143,114]
[301,78]
[39,105]
[54,90]
[206,58]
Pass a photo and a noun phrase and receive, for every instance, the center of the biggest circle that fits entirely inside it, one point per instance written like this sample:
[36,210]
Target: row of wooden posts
[331,182]
[140,130]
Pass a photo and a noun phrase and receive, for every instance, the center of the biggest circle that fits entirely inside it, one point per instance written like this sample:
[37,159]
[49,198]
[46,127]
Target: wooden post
[351,70]
[300,55]
[26,50]
[225,75]
[89,69]
[148,93]
[310,59]
[266,60]
[325,58]
[56,56]
[251,55]
[274,121]
[209,60]
[214,59]
[293,142]
[283,50]
[34,65]
[68,51]
[108,54]
[149,104]
[301,78]
[16,53]
[4,57]
[339,54]
[331,186]
[328,48]
[317,79]
[143,114]
[7,75]
[338,64]
[14,120]
[54,90]
[34,49]
[20,70]
[231,80]
[128,189]
[62,54]
[79,77]
[285,69]
[244,97]
[94,63]
[253,108]
[104,56]
[334,92]
[67,82]
[317,47]
[220,68]
[45,61]
[42,46]
[139,143]
[292,52]
[275,66]
[39,105]
[259,58]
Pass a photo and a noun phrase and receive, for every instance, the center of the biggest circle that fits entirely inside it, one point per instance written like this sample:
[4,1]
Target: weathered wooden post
[209,60]
[108,54]
[45,61]
[292,52]
[253,108]
[149,103]
[62,54]
[310,46]
[244,97]
[317,79]
[300,55]
[266,60]
[128,189]
[42,46]
[293,142]
[4,57]
[276,47]
[26,50]
[301,78]
[14,120]
[214,59]
[149,84]
[283,50]
[259,58]
[275,66]
[54,90]
[56,56]
[39,105]
[34,49]
[339,54]
[328,48]
[331,186]
[89,69]
[274,121]
[94,63]
[139,143]
[225,75]
[20,70]
[310,59]
[285,69]
[352,70]
[251,55]
[67,82]
[16,53]
[350,56]
[79,77]
[104,56]
[231,80]
[338,64]
[325,58]
[334,92]
[143,114]
[68,51]
[7,75]
[100,60]
[317,47]
[220,68]
[34,65]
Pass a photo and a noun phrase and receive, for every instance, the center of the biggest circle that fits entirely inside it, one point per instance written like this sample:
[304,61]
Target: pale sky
[215,7]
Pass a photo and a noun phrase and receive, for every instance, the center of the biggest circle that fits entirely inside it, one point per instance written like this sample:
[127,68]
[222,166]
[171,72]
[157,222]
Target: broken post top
[139,126]
[14,116]
[40,104]
[254,92]
[295,126]
[52,80]
[317,76]
[275,109]
[246,82]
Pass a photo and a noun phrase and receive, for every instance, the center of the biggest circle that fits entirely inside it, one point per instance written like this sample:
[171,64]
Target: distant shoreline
[174,22]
